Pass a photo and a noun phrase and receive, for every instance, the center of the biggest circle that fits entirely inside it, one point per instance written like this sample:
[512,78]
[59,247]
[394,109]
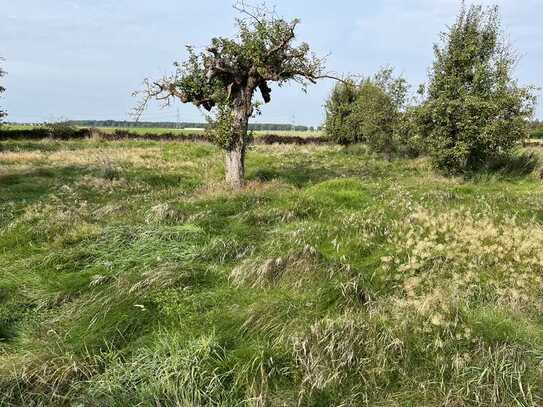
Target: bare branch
[242,7]
[335,78]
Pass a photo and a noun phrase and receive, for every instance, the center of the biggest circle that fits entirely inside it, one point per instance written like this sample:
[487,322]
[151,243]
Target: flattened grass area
[130,275]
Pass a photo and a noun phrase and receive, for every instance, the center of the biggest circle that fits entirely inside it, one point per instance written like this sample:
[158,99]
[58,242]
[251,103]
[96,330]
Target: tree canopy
[474,110]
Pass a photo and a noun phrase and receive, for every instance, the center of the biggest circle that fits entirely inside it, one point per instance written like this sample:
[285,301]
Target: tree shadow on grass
[31,185]
[300,175]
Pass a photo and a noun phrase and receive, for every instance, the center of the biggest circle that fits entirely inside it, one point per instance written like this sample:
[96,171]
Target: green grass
[130,275]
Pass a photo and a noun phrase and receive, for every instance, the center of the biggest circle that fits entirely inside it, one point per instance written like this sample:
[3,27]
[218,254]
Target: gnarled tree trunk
[235,165]
[235,155]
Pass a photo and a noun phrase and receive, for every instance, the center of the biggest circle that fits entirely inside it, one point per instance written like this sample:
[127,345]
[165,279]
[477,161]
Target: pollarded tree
[3,113]
[226,75]
[474,111]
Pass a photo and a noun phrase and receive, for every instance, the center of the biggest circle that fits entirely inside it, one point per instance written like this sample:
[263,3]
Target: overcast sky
[76,59]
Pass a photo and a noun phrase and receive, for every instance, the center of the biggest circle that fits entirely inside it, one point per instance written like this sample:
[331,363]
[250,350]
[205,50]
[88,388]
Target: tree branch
[289,37]
[242,7]
[344,81]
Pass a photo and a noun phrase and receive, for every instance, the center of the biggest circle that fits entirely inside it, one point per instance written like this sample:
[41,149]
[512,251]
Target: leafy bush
[474,110]
[408,133]
[62,131]
[340,122]
[369,112]
[537,133]
[376,117]
[514,164]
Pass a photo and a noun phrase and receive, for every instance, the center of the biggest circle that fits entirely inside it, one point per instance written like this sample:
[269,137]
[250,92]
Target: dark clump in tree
[368,112]
[474,112]
[3,113]
[225,77]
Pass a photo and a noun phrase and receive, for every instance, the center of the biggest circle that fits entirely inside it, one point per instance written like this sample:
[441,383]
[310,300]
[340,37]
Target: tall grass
[130,275]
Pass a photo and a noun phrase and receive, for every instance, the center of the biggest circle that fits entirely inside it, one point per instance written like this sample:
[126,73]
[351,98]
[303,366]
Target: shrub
[537,133]
[369,112]
[376,117]
[514,164]
[408,133]
[474,111]
[340,123]
[62,131]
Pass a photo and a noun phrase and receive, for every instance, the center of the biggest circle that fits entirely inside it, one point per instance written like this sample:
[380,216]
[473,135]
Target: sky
[81,59]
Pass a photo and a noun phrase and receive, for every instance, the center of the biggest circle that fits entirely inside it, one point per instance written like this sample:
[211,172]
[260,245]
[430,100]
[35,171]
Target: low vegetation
[132,274]
[537,131]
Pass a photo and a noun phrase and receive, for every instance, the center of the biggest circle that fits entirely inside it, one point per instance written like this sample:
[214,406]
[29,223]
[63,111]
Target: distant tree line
[182,125]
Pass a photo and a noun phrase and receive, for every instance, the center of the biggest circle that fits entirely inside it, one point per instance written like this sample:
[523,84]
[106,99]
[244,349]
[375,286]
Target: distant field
[159,130]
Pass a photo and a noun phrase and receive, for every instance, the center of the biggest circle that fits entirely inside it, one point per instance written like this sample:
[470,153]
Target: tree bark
[235,166]
[235,155]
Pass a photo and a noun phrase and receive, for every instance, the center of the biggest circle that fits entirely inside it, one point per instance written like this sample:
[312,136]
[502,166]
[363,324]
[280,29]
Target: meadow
[131,275]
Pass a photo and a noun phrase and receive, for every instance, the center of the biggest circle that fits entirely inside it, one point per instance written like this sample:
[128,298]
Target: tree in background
[369,112]
[225,77]
[340,124]
[474,110]
[3,113]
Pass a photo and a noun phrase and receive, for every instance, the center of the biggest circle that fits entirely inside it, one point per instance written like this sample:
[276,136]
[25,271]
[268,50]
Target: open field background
[535,139]
[159,131]
[130,274]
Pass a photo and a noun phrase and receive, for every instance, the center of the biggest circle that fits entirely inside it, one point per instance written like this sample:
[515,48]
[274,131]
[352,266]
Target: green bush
[408,134]
[340,123]
[369,112]
[474,110]
[62,131]
[376,117]
[537,133]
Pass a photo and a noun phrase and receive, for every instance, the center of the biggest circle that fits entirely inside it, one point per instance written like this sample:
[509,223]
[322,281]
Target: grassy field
[159,131]
[131,276]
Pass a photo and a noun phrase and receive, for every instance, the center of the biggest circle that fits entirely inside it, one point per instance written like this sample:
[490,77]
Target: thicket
[471,115]
[370,111]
